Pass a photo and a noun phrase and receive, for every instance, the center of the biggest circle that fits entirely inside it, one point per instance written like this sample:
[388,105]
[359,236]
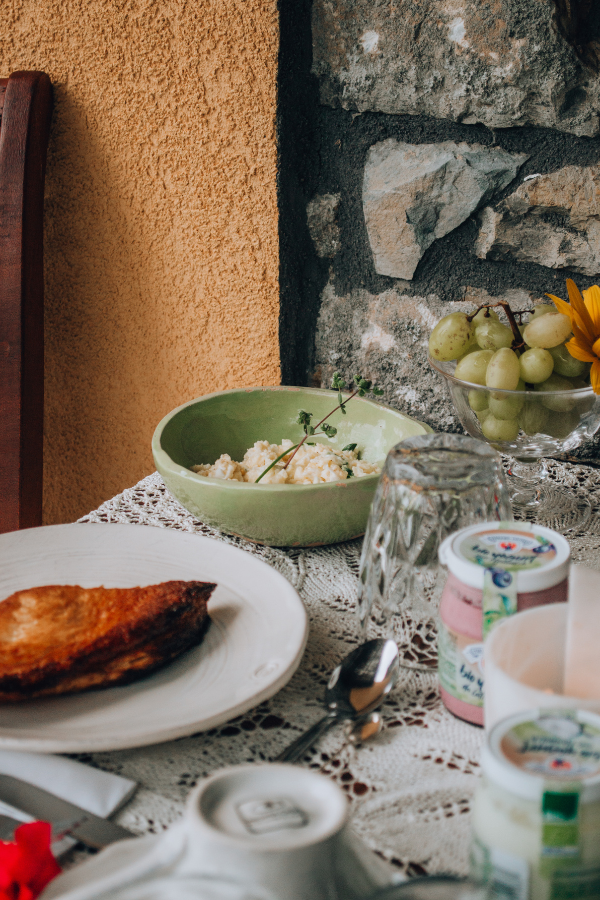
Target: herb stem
[281,455]
[294,447]
[339,406]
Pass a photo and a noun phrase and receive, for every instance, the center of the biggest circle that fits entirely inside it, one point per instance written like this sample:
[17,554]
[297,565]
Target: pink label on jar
[460,642]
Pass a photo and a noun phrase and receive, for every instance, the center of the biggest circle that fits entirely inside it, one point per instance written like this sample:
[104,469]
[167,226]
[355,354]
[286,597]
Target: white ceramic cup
[524,664]
[281,828]
[252,832]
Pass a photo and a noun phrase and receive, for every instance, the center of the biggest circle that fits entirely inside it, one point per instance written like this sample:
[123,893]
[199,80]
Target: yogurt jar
[536,812]
[494,569]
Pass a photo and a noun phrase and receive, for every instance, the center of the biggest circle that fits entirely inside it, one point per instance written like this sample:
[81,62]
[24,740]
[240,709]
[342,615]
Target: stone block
[321,214]
[502,63]
[416,193]
[552,220]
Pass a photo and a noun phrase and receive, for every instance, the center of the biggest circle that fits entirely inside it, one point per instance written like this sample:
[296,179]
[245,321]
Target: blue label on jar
[499,597]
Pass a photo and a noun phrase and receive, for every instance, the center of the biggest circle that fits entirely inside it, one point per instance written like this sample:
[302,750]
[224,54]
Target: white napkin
[101,793]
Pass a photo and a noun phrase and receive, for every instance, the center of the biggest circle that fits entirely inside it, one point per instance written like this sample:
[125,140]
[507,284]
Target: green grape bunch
[525,358]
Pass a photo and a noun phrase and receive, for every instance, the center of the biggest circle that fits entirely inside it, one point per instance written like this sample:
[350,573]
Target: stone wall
[457,160]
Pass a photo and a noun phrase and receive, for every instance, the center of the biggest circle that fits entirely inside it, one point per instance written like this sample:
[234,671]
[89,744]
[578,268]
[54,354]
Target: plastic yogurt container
[494,570]
[536,812]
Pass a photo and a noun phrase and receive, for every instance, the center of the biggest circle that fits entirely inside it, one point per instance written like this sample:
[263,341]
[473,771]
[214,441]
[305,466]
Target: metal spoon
[364,729]
[357,686]
[359,731]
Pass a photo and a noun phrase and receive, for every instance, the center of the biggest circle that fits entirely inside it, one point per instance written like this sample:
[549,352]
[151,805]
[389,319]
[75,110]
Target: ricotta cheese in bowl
[325,504]
[313,464]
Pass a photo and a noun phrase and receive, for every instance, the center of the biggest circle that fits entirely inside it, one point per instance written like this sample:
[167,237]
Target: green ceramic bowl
[297,515]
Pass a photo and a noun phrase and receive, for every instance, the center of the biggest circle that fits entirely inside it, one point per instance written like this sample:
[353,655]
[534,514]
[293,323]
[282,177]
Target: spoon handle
[306,740]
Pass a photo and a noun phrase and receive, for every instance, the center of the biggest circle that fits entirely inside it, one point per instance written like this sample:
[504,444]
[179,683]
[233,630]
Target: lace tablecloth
[411,787]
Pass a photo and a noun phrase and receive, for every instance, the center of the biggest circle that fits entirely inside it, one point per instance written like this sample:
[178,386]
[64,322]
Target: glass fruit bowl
[526,426]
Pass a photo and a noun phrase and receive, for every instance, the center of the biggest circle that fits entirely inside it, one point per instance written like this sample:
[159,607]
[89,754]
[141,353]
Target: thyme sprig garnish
[362,387]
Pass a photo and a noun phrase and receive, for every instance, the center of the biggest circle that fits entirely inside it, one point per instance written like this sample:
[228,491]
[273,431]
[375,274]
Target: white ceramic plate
[252,648]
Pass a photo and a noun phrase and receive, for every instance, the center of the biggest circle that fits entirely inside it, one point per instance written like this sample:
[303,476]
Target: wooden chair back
[25,110]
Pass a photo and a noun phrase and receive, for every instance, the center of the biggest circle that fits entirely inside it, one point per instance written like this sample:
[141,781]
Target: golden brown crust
[63,638]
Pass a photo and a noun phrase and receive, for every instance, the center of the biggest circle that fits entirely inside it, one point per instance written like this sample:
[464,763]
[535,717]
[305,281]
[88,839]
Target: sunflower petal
[580,352]
[591,298]
[561,306]
[596,348]
[595,376]
[580,336]
[582,315]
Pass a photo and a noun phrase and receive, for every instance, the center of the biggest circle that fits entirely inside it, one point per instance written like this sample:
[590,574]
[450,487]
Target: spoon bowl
[363,679]
[356,687]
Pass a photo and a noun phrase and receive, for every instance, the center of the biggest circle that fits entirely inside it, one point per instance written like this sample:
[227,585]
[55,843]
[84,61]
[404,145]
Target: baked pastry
[60,639]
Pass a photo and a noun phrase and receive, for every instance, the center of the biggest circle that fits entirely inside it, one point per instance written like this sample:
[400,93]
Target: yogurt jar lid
[545,749]
[538,556]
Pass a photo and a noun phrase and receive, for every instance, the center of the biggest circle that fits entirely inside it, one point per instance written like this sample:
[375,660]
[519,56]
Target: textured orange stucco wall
[160,220]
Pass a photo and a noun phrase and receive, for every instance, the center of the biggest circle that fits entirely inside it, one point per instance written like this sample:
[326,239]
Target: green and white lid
[545,749]
[537,557]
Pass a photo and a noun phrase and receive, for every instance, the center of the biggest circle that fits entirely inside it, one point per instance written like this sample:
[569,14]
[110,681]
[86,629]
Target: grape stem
[520,313]
[518,342]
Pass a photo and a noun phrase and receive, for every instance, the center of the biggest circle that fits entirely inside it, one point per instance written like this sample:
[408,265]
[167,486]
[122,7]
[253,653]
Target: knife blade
[7,827]
[66,818]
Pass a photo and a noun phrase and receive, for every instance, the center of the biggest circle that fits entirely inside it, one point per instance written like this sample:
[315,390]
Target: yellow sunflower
[584,313]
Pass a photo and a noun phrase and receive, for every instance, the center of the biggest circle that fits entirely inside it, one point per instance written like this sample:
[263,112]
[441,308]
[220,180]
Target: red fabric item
[27,865]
